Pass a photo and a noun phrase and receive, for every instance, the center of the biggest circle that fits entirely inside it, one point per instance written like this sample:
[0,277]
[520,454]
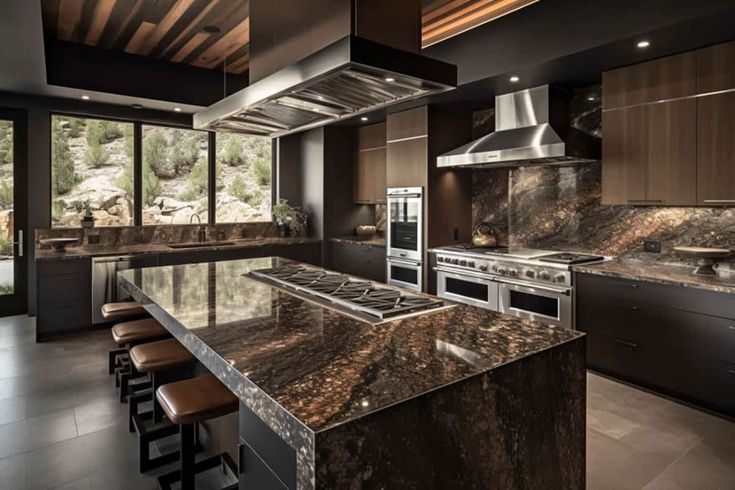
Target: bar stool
[163,360]
[127,310]
[129,334]
[187,403]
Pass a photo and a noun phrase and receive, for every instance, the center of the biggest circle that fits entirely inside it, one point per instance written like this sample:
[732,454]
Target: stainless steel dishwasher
[104,279]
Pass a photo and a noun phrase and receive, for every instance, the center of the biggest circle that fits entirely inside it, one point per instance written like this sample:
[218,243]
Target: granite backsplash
[133,235]
[560,208]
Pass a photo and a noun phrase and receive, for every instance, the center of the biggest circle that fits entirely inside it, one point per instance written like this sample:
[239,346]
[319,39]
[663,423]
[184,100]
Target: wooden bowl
[707,258]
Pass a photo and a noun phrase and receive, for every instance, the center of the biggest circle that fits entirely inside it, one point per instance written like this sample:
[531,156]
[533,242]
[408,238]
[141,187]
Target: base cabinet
[360,260]
[64,297]
[650,335]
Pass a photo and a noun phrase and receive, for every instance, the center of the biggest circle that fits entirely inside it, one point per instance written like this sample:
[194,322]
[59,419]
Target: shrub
[102,131]
[64,177]
[155,149]
[96,156]
[129,140]
[124,181]
[6,142]
[6,288]
[262,171]
[184,154]
[233,152]
[75,127]
[239,189]
[151,186]
[6,247]
[197,183]
[6,194]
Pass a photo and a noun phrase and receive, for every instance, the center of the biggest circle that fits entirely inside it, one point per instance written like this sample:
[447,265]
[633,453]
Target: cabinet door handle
[731,371]
[645,200]
[731,327]
[626,343]
[719,200]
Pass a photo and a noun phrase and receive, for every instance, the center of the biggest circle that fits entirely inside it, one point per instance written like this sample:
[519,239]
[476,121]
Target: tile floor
[61,426]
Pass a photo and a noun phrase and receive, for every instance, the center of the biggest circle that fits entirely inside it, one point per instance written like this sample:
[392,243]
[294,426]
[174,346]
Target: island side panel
[519,426]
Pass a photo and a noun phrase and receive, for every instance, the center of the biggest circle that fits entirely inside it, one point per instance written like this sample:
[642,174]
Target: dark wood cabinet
[370,165]
[716,149]
[357,259]
[672,77]
[408,148]
[716,68]
[668,338]
[407,124]
[64,297]
[649,154]
[267,462]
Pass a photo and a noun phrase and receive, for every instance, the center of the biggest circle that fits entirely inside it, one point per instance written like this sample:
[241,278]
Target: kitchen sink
[199,244]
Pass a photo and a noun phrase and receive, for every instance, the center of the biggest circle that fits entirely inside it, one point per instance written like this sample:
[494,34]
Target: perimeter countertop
[663,274]
[375,241]
[157,248]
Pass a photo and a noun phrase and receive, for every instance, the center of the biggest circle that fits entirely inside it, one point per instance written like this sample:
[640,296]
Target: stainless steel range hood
[349,77]
[532,127]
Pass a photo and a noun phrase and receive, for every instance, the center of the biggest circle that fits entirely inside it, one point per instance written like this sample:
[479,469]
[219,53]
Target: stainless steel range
[528,283]
[365,300]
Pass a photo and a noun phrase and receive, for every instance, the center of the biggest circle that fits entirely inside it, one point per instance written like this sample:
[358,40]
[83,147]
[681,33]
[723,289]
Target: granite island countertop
[304,368]
[673,275]
[158,248]
[375,241]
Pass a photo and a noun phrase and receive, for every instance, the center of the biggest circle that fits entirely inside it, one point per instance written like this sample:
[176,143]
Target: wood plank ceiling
[203,33]
[208,33]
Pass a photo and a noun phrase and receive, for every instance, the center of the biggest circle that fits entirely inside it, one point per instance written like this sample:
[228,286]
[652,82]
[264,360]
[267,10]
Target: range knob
[560,278]
[483,267]
[463,262]
[513,272]
[440,259]
[544,275]
[530,273]
[502,270]
[470,264]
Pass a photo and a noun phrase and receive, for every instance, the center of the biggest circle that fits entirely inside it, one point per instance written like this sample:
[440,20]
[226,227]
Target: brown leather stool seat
[137,331]
[186,403]
[119,311]
[196,399]
[158,355]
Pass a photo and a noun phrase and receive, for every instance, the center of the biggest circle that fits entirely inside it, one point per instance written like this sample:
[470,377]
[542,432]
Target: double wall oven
[533,284]
[404,247]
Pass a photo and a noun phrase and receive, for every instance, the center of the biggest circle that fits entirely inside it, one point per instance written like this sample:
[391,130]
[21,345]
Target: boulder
[6,224]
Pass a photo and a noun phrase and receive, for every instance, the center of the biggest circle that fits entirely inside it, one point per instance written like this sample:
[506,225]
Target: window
[91,171]
[175,176]
[7,234]
[244,171]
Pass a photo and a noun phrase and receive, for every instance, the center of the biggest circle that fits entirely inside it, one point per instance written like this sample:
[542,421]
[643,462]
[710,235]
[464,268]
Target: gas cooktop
[570,258]
[368,300]
[518,253]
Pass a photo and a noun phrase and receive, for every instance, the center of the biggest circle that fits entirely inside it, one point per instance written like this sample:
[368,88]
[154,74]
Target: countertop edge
[374,242]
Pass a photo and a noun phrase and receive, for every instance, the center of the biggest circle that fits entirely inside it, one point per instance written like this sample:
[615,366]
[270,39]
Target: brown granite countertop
[375,240]
[661,273]
[158,248]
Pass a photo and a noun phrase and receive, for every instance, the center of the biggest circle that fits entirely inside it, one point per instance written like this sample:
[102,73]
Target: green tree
[96,156]
[155,154]
[102,131]
[184,153]
[6,142]
[198,181]
[63,175]
[238,189]
[129,140]
[262,171]
[75,127]
[6,194]
[233,152]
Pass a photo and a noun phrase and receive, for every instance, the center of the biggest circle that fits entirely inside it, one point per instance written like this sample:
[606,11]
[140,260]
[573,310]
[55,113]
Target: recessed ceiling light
[643,44]
[514,79]
[85,97]
[363,118]
[390,79]
[590,99]
[177,109]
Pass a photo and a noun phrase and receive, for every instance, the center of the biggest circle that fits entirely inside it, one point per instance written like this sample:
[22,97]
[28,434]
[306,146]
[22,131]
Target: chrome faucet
[202,231]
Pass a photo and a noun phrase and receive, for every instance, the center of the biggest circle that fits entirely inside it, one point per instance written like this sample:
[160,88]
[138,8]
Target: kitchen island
[453,398]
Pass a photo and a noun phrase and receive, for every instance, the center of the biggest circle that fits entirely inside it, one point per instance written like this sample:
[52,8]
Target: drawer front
[56,316]
[255,473]
[268,447]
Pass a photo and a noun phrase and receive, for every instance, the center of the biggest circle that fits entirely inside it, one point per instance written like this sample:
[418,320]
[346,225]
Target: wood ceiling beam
[193,43]
[238,37]
[70,13]
[132,13]
[168,21]
[194,23]
[240,65]
[443,10]
[102,11]
[136,42]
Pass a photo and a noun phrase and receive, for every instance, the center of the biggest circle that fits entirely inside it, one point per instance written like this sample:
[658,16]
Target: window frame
[138,167]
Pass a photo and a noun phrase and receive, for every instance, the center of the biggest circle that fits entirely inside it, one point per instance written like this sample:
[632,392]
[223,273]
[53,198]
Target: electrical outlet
[92,239]
[652,246]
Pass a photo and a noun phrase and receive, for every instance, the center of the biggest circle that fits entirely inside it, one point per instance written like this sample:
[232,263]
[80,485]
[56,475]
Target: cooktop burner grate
[368,298]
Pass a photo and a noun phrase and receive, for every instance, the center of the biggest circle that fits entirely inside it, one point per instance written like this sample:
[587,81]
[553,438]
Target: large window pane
[175,175]
[244,169]
[7,234]
[91,168]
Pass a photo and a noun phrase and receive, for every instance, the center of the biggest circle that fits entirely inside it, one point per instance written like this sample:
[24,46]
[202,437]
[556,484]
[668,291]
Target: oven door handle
[462,272]
[394,260]
[564,291]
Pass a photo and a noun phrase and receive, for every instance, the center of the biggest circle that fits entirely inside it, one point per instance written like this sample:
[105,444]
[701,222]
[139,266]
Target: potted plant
[87,217]
[288,219]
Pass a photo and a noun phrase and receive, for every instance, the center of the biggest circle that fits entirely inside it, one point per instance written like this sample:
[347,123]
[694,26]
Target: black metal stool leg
[187,457]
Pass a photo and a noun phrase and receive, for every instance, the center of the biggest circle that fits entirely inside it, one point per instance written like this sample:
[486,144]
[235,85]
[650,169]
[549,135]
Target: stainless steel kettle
[485,235]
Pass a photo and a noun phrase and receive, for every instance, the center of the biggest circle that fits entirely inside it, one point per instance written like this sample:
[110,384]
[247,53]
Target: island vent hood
[361,67]
[532,127]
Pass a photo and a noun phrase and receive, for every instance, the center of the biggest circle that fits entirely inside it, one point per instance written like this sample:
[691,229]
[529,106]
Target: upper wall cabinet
[666,78]
[370,171]
[408,150]
[667,130]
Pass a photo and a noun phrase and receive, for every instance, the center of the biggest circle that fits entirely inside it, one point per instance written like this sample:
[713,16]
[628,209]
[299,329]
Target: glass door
[13,239]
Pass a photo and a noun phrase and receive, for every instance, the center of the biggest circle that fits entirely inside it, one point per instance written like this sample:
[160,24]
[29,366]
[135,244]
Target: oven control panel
[467,263]
[506,268]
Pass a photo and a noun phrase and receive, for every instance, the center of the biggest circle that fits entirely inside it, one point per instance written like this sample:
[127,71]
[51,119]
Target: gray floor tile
[37,432]
[13,472]
[707,466]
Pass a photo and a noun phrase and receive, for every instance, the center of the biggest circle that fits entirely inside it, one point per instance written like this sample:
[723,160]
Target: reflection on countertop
[157,248]
[375,240]
[676,275]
